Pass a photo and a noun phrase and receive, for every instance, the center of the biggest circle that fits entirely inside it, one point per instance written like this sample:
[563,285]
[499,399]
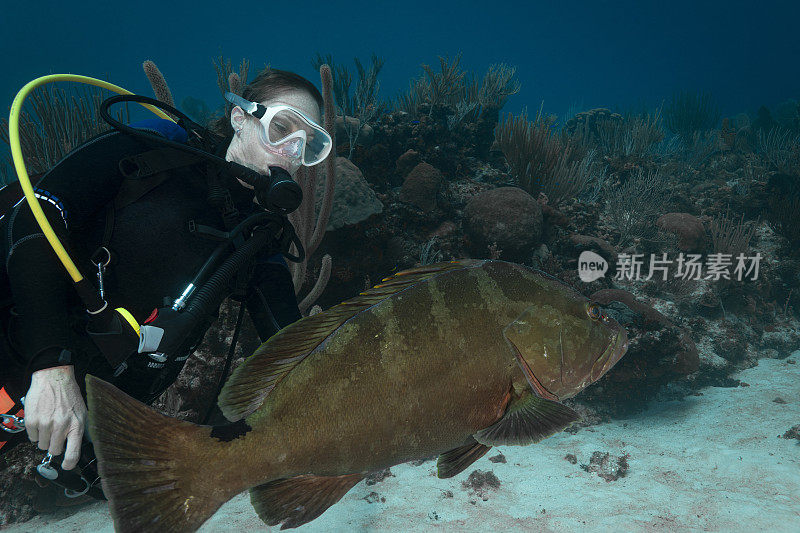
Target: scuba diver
[144,209]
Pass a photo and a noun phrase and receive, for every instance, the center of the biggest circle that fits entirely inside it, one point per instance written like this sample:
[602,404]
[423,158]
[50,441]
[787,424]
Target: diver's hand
[55,412]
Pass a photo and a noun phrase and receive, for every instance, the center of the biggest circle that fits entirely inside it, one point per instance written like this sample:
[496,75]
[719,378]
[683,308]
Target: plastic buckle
[45,470]
[48,472]
[69,493]
[17,423]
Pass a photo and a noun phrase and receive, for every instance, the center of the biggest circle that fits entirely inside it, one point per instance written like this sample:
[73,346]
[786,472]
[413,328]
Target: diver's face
[246,148]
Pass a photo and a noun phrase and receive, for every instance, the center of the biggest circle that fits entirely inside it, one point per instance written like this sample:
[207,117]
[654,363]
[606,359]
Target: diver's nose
[291,149]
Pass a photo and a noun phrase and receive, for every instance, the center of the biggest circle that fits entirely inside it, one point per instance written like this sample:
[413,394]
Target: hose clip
[12,424]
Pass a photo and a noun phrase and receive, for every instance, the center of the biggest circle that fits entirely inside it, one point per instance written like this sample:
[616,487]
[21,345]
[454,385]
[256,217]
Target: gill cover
[523,339]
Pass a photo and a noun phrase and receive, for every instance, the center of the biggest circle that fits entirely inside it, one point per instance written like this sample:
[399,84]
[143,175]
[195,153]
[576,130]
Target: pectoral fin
[527,420]
[456,460]
[298,500]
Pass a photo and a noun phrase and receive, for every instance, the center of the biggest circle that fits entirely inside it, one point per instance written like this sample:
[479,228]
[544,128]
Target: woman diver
[159,235]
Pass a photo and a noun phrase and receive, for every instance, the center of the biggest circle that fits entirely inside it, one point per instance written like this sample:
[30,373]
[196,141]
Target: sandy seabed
[709,463]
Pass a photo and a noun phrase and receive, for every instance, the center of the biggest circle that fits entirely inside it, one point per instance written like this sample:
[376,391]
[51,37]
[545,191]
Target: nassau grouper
[447,359]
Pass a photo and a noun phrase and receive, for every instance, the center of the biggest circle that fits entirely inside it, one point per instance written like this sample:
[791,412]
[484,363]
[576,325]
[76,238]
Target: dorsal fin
[250,383]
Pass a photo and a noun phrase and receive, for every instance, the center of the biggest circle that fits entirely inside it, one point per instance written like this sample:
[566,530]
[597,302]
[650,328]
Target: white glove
[55,412]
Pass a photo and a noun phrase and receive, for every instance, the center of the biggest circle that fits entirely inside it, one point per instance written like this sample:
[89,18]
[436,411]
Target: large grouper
[447,359]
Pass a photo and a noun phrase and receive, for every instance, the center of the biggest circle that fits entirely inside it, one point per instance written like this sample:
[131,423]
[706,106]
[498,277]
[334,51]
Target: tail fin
[151,466]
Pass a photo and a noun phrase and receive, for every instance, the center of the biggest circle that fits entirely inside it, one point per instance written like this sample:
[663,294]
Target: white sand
[709,463]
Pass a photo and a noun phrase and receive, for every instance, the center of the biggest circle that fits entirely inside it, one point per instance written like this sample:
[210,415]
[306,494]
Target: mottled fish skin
[421,371]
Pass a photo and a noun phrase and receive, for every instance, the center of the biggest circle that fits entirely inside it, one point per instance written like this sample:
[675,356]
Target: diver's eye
[594,312]
[279,127]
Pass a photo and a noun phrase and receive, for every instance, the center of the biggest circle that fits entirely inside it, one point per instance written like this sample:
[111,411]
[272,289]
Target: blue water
[590,54]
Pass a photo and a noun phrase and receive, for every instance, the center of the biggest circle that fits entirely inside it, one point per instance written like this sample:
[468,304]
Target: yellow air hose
[25,181]
[19,163]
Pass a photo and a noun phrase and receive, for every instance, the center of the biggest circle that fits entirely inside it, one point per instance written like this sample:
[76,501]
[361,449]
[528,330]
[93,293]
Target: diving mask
[288,132]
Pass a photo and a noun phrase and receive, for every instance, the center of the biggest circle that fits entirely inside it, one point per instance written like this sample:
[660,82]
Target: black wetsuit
[154,256]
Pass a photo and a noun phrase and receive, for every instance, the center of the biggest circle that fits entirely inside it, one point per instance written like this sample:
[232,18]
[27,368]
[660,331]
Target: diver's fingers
[57,438]
[45,430]
[32,428]
[73,452]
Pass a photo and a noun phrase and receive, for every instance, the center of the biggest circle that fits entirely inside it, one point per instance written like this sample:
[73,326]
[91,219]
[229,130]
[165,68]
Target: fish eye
[594,312]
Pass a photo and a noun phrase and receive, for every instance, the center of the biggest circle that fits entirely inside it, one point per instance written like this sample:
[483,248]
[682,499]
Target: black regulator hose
[214,257]
[209,296]
[277,192]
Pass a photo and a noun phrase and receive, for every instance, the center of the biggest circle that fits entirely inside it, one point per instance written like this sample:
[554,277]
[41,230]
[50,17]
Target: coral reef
[359,109]
[229,79]
[158,83]
[353,201]
[687,227]
[462,94]
[633,204]
[310,228]
[687,113]
[18,490]
[614,135]
[543,161]
[53,122]
[507,217]
[421,187]
[784,204]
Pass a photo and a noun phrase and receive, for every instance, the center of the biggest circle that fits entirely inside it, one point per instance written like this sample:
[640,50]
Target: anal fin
[454,462]
[298,500]
[527,420]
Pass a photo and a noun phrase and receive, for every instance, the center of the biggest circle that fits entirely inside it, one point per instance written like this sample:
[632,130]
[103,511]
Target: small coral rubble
[377,477]
[793,433]
[481,483]
[607,467]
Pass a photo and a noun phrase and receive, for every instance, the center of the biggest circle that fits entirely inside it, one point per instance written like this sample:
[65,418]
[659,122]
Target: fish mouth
[613,353]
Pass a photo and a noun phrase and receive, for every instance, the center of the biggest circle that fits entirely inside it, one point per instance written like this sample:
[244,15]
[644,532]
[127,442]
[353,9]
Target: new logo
[591,266]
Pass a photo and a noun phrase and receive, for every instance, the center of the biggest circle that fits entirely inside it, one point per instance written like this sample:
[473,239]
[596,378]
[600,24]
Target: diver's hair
[268,84]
